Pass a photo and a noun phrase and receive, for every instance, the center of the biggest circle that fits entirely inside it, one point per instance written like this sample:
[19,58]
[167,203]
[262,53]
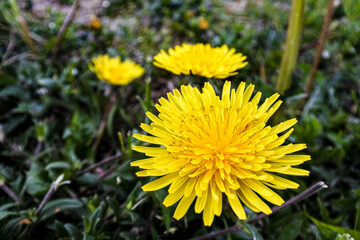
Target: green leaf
[41,131]
[58,165]
[115,206]
[5,214]
[15,121]
[254,232]
[60,229]
[10,229]
[87,224]
[15,91]
[98,213]
[352,9]
[291,231]
[167,215]
[148,102]
[323,211]
[36,181]
[73,231]
[166,211]
[355,234]
[133,196]
[6,79]
[7,206]
[58,205]
[154,234]
[357,220]
[47,82]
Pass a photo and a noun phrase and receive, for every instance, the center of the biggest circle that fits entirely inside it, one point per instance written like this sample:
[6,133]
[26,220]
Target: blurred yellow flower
[114,71]
[202,60]
[203,23]
[95,23]
[211,146]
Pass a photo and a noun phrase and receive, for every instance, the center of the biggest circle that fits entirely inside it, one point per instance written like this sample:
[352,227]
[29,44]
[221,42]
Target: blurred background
[51,107]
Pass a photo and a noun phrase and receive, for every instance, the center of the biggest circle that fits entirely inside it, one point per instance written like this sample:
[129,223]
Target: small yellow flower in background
[203,23]
[95,23]
[189,14]
[211,146]
[202,60]
[114,71]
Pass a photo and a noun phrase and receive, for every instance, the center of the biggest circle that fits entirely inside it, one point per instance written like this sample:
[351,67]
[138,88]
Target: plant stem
[103,122]
[310,191]
[64,27]
[23,26]
[9,192]
[38,149]
[54,185]
[25,33]
[96,165]
[293,36]
[324,32]
[45,199]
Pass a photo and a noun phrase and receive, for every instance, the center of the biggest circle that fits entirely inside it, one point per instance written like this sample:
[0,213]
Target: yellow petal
[237,207]
[151,151]
[183,206]
[254,199]
[190,187]
[160,182]
[201,201]
[208,215]
[177,183]
[172,198]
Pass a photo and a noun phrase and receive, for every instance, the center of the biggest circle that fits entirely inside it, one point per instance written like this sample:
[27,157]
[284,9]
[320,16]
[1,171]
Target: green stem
[103,122]
[292,44]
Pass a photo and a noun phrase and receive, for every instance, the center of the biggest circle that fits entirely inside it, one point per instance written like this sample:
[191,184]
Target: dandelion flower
[201,60]
[203,23]
[212,146]
[114,71]
[95,22]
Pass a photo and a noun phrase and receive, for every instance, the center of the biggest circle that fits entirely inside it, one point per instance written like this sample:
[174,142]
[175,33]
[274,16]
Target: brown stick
[45,199]
[99,164]
[310,45]
[9,192]
[310,191]
[64,27]
[9,48]
[324,31]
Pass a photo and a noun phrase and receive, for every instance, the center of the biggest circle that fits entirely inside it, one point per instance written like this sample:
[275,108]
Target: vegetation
[66,137]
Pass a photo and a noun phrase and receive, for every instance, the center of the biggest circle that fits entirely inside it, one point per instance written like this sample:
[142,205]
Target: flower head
[212,146]
[114,71]
[202,60]
[95,22]
[203,23]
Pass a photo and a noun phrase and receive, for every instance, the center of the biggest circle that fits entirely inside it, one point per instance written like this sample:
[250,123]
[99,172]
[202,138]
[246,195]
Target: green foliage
[52,106]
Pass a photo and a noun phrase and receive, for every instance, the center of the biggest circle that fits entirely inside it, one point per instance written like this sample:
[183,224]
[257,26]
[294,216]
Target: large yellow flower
[210,146]
[114,71]
[202,60]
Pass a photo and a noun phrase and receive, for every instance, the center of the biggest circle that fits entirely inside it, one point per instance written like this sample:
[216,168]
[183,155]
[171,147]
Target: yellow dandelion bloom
[114,71]
[211,146]
[95,22]
[202,60]
[203,23]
